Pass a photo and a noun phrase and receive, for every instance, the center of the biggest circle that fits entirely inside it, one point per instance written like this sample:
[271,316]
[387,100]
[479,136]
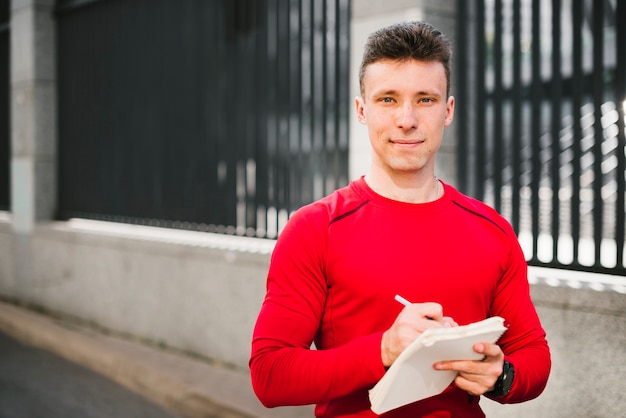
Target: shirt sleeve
[285,369]
[524,343]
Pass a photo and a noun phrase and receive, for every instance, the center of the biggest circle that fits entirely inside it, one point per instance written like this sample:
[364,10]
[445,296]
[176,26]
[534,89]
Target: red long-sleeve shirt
[333,275]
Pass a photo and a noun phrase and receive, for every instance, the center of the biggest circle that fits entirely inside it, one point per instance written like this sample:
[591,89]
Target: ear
[449,111]
[359,107]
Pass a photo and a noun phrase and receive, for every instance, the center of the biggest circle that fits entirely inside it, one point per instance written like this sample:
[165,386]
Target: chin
[407,167]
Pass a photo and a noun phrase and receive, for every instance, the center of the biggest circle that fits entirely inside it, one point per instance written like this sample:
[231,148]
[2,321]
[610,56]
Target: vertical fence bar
[230,56]
[461,111]
[556,125]
[332,93]
[598,99]
[481,149]
[536,123]
[249,118]
[283,170]
[308,85]
[498,131]
[237,119]
[210,34]
[516,130]
[576,94]
[295,98]
[271,117]
[343,73]
[318,61]
[262,159]
[306,133]
[327,100]
[620,96]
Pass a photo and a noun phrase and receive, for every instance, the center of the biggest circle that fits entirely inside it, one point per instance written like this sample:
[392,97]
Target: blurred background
[152,150]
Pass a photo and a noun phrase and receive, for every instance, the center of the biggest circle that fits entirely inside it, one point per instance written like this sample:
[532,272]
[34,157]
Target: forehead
[404,75]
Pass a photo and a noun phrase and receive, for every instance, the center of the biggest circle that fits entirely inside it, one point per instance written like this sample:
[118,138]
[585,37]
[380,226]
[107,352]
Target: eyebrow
[384,93]
[420,93]
[428,93]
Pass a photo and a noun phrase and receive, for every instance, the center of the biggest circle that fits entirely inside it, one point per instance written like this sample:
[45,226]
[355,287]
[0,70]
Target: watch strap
[504,382]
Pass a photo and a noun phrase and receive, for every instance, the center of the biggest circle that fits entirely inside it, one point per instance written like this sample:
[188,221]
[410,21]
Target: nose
[407,117]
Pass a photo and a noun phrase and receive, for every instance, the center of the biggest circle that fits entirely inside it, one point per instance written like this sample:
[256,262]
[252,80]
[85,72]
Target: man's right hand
[409,324]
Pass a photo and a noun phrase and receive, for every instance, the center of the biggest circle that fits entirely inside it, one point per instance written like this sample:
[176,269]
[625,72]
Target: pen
[402,300]
[407,303]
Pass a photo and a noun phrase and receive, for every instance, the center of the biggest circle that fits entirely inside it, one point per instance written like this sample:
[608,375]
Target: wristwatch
[504,382]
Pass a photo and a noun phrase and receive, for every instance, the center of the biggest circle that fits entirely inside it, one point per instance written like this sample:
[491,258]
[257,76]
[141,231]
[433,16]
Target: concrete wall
[586,330]
[189,290]
[33,112]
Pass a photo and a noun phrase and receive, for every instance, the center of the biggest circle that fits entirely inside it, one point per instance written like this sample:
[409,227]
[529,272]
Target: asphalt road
[35,383]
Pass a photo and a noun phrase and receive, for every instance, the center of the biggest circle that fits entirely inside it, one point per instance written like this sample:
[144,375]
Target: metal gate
[222,116]
[541,103]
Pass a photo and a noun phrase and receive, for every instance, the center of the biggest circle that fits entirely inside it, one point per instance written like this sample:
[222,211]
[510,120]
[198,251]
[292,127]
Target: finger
[433,311]
[449,322]
[489,350]
[478,377]
[428,310]
[468,367]
[461,366]
[471,386]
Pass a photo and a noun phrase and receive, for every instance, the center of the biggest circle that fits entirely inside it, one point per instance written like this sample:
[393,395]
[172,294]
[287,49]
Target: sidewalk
[185,386]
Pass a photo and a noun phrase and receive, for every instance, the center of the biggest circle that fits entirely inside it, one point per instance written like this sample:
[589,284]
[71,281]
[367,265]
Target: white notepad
[412,377]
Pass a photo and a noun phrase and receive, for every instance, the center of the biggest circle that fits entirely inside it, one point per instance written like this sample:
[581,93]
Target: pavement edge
[133,367]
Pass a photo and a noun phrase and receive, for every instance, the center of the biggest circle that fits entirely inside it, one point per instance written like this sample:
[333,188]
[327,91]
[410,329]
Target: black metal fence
[220,115]
[541,110]
[5,115]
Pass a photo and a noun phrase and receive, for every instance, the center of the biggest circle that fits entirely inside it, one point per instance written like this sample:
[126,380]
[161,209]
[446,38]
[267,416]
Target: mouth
[406,142]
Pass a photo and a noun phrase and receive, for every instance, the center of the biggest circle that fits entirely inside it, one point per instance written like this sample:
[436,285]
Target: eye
[386,100]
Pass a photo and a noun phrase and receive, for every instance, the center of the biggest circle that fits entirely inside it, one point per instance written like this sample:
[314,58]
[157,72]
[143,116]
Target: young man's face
[405,108]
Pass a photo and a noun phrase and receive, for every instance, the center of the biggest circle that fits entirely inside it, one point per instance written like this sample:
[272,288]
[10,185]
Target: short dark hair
[405,41]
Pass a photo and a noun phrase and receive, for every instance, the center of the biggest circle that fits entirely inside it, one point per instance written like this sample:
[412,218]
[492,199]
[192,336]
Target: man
[398,230]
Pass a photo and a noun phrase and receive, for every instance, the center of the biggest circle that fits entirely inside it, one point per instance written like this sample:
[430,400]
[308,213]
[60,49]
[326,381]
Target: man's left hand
[477,377]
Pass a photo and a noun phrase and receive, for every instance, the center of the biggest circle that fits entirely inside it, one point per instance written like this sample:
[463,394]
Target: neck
[416,190]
